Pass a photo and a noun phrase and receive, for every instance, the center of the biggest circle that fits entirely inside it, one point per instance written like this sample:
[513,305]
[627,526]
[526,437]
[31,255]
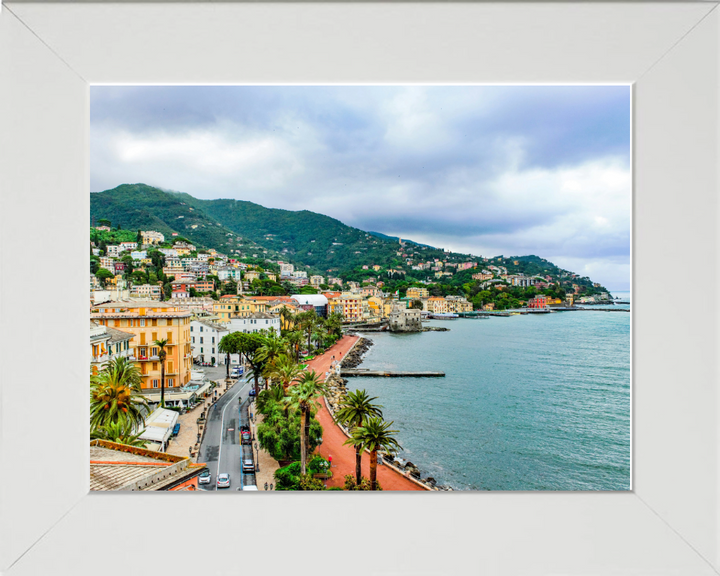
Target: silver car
[223,481]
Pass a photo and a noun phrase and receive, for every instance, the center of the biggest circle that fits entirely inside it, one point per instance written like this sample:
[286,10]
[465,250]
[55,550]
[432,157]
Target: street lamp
[198,437]
[257,458]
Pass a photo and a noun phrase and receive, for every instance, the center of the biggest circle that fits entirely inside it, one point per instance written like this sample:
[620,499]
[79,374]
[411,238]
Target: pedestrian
[330,459]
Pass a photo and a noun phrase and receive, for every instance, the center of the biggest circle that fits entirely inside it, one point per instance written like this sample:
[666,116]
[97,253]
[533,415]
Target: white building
[113,251]
[138,254]
[128,246]
[299,274]
[205,337]
[286,270]
[228,273]
[254,323]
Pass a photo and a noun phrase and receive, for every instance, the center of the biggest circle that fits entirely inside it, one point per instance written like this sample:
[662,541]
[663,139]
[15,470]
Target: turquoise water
[528,402]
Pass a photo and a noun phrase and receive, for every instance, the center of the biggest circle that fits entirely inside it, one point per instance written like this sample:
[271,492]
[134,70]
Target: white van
[251,488]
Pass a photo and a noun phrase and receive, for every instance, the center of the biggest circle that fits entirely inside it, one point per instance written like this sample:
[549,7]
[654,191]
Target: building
[318,302]
[347,304]
[107,262]
[458,304]
[316,280]
[150,237]
[417,293]
[205,337]
[119,467]
[230,307]
[286,270]
[107,343]
[146,291]
[539,301]
[435,305]
[229,274]
[251,275]
[403,319]
[128,246]
[113,251]
[254,322]
[149,321]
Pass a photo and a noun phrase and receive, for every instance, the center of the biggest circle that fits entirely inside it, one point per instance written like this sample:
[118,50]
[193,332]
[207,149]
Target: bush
[318,465]
[289,478]
[350,483]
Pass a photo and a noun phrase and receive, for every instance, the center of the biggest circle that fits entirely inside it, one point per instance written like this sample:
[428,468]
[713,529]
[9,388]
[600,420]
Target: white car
[223,481]
[204,477]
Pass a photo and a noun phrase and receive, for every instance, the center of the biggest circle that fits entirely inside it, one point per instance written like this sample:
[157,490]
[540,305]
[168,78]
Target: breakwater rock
[336,392]
[435,329]
[354,357]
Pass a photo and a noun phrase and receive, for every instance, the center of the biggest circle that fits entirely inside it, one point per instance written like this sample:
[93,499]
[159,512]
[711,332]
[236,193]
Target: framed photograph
[53,54]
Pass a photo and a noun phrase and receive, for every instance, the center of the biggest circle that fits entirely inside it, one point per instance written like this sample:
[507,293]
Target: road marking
[222,425]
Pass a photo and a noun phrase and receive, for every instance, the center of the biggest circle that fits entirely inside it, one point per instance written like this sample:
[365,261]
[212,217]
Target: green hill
[307,239]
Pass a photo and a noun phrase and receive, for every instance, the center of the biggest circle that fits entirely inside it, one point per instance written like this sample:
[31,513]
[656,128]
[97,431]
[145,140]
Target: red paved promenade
[343,457]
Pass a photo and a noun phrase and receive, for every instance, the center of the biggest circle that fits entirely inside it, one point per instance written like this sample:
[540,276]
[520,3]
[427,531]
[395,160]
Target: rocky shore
[336,392]
[435,329]
[355,357]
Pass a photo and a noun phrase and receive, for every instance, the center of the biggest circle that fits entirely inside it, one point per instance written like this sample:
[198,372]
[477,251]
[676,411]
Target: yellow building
[349,305]
[457,304]
[230,307]
[149,321]
[436,304]
[416,293]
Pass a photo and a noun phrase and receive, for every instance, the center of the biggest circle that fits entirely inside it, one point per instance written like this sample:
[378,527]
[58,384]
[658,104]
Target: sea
[528,402]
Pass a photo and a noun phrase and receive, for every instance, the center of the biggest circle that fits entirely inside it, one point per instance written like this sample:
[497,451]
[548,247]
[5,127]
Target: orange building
[149,321]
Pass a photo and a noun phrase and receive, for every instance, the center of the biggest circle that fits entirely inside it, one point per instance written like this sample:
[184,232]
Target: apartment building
[149,321]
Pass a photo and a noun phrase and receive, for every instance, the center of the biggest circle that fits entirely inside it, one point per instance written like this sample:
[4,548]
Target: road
[221,448]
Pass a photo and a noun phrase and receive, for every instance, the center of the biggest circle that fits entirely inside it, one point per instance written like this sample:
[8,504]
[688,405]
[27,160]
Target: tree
[162,354]
[119,432]
[354,412]
[272,348]
[139,239]
[103,275]
[416,304]
[306,322]
[228,345]
[248,345]
[372,436]
[302,397]
[115,395]
[104,222]
[285,371]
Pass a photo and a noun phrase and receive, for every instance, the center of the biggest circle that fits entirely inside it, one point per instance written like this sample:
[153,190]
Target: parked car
[251,487]
[223,481]
[245,437]
[248,466]
[176,429]
[252,392]
[204,477]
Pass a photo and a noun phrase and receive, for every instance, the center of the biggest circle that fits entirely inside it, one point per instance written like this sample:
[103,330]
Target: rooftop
[119,467]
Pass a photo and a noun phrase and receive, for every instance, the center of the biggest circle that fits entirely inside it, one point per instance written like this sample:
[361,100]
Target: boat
[443,316]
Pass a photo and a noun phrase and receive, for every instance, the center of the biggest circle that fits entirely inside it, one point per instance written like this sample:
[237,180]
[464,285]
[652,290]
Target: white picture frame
[49,55]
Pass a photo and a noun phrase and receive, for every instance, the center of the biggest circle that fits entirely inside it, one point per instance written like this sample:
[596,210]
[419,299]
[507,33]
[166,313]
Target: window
[213,350]
[154,322]
[155,383]
[191,329]
[213,339]
[201,350]
[142,322]
[201,329]
[201,339]
[154,366]
[193,339]
[171,382]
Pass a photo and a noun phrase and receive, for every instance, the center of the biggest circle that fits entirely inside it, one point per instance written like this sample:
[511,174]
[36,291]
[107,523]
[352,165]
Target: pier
[390,374]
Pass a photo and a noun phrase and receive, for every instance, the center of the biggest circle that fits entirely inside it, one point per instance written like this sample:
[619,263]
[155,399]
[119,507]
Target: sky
[486,170]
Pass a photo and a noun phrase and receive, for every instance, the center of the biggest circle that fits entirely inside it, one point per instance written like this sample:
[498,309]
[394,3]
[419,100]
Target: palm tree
[294,340]
[119,432]
[354,412]
[116,395]
[286,317]
[372,436]
[285,370]
[273,347]
[302,397]
[306,323]
[162,354]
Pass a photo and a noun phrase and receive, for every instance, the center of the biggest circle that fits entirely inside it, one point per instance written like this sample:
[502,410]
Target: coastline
[407,469]
[343,456]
